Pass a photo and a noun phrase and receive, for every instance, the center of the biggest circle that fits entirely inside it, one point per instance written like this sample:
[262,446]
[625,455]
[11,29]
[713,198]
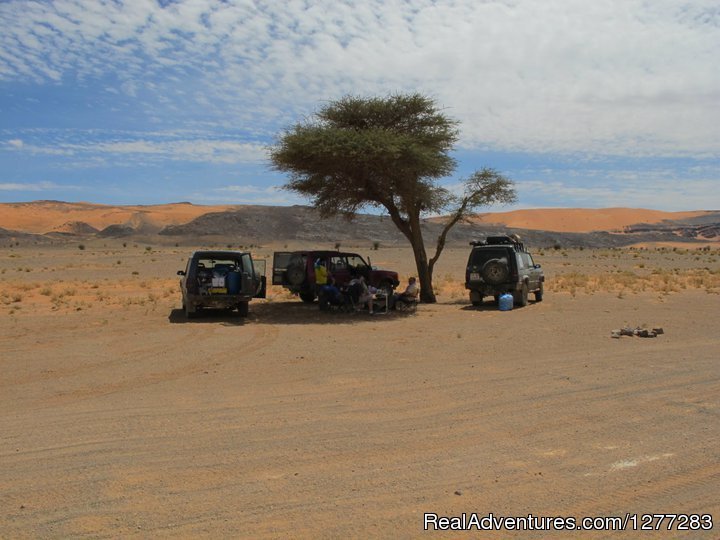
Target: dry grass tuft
[663,281]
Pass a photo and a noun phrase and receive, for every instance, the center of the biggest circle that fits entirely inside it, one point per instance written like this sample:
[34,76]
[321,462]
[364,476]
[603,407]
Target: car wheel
[521,297]
[307,297]
[295,274]
[539,293]
[495,271]
[189,314]
[243,309]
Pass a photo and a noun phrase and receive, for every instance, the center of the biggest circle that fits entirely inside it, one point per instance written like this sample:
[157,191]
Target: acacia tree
[385,153]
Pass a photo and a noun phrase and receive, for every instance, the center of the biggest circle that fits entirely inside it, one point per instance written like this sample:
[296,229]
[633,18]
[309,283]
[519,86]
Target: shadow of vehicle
[210,316]
[286,312]
[294,312]
[490,306]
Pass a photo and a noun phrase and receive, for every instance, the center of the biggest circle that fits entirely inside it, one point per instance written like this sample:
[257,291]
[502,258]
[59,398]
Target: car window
[337,264]
[356,261]
[247,265]
[480,256]
[524,260]
[530,261]
[219,266]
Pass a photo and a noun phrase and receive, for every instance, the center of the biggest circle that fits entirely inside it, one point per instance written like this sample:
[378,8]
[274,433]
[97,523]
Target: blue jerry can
[506,302]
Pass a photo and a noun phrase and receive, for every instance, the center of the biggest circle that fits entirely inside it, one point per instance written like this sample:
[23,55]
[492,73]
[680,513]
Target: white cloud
[246,194]
[17,145]
[667,194]
[164,147]
[189,150]
[625,77]
[38,186]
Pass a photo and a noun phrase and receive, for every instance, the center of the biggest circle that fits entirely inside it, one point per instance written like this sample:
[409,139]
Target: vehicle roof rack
[499,240]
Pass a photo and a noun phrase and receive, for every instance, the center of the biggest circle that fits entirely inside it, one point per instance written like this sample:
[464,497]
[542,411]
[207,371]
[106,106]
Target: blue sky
[583,104]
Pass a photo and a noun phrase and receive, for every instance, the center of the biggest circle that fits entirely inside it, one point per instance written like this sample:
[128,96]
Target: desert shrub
[376,245]
[81,246]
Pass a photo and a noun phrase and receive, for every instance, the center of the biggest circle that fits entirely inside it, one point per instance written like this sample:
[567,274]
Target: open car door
[260,266]
[281,259]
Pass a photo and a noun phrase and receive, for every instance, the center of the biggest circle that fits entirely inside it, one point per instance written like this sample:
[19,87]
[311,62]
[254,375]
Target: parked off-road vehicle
[295,270]
[500,265]
[221,279]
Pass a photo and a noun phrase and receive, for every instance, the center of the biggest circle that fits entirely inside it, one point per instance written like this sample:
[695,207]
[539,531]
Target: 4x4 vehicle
[501,264]
[221,279]
[295,270]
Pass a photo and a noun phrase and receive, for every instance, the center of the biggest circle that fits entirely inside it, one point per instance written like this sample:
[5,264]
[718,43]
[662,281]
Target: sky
[591,104]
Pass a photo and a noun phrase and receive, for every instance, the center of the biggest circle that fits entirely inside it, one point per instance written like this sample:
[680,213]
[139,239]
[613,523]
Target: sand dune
[46,216]
[580,219]
[55,216]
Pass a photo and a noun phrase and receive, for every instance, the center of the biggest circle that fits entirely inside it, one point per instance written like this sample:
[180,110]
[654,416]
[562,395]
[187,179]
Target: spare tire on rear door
[495,271]
[295,274]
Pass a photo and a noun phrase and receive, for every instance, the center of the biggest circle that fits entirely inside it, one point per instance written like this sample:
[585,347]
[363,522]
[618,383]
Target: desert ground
[119,418]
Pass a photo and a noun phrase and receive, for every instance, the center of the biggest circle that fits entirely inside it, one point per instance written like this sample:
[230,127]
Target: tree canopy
[388,153]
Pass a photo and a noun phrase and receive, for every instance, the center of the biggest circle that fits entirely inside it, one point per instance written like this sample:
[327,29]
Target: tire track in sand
[263,336]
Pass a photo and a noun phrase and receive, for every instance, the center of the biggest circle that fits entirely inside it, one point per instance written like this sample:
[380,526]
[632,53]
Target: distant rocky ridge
[265,224]
[703,227]
[75,228]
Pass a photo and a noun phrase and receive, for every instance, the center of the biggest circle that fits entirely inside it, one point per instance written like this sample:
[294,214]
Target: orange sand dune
[580,219]
[45,216]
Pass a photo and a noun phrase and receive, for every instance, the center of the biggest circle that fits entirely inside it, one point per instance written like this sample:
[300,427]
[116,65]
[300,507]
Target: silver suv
[501,264]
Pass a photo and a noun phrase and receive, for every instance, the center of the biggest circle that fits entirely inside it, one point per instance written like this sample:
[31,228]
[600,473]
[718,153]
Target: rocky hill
[186,223]
[265,224]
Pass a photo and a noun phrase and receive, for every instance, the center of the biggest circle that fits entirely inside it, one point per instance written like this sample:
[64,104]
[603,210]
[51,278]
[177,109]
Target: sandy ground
[120,418]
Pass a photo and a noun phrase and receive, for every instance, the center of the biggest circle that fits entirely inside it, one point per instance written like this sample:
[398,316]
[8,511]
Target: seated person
[409,295]
[332,295]
[360,292]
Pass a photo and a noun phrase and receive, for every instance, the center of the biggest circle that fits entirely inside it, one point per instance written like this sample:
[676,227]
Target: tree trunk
[427,295]
[412,231]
